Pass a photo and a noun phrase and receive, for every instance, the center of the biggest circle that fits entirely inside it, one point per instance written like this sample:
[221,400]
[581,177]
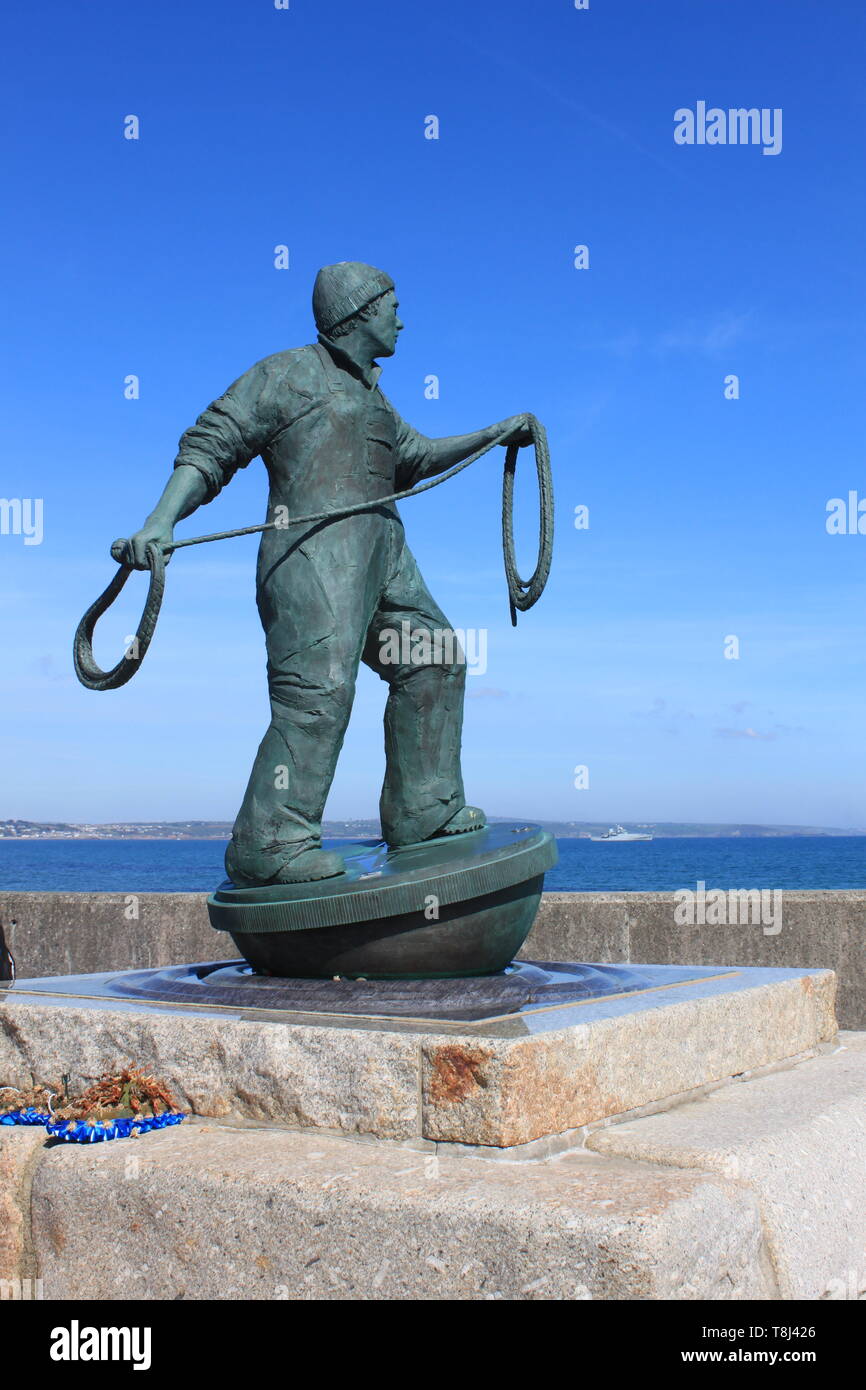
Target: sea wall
[78,933]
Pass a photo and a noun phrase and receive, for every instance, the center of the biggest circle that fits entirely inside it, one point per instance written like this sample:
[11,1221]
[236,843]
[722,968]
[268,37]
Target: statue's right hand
[134,551]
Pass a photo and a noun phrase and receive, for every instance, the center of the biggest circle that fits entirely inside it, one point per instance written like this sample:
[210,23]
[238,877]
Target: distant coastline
[369,829]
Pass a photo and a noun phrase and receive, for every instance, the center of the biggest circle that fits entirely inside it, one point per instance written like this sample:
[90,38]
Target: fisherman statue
[329,593]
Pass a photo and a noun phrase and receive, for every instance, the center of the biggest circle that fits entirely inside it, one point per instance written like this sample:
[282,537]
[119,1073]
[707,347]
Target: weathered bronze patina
[330,591]
[459,905]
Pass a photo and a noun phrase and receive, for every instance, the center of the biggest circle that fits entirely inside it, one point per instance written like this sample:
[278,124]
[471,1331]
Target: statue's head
[357,302]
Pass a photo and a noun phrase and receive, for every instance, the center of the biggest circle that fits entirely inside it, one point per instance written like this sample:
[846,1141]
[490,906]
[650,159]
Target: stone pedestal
[683,1134]
[515,1073]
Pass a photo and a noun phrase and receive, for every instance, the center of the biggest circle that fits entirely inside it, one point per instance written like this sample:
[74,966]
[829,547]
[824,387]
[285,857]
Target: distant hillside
[369,829]
[684,830]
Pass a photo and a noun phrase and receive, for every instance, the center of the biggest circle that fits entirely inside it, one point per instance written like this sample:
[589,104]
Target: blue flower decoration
[25,1117]
[83,1132]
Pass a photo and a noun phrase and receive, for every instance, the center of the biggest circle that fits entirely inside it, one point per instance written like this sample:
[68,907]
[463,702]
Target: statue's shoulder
[299,368]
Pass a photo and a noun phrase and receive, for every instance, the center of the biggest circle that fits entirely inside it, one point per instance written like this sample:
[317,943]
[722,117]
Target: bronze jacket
[324,429]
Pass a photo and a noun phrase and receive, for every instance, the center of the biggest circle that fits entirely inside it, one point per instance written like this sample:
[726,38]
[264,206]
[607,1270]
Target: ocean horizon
[658,865]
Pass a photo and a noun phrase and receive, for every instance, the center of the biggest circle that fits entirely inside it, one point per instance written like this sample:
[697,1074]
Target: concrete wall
[826,929]
[77,933]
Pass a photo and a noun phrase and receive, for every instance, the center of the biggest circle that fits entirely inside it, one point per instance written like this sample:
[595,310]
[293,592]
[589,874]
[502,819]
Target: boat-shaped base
[460,905]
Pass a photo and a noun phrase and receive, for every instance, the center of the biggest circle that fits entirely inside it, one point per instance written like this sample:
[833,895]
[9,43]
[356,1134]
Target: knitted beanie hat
[342,289]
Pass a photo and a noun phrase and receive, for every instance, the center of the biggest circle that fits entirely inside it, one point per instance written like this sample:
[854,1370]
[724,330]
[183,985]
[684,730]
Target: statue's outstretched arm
[224,438]
[421,457]
[185,490]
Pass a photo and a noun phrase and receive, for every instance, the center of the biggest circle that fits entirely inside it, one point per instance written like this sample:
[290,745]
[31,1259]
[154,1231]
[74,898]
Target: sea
[186,866]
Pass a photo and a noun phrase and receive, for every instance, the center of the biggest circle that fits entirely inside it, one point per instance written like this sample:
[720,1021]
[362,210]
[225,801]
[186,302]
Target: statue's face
[384,326]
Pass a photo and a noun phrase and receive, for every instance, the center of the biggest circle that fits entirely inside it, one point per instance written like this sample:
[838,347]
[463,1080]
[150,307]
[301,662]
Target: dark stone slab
[524,987]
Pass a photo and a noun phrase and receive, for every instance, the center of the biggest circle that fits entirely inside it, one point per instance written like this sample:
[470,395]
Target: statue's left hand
[134,551]
[516,430]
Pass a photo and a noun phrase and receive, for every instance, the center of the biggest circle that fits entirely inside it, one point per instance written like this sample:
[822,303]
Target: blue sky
[305,127]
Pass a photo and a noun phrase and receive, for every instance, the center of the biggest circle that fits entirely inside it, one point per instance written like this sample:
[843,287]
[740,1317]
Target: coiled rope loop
[523,593]
[86,668]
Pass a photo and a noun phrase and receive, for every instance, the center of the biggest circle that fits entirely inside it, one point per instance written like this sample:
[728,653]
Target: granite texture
[755,1191]
[499,1083]
[797,1140]
[489,1092]
[20,1148]
[233,1215]
[341,1079]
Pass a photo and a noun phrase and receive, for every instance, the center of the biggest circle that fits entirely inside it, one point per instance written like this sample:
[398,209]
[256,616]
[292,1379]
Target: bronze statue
[326,592]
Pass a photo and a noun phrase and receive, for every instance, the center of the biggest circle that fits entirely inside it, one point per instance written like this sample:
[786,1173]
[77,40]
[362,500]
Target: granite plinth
[797,1139]
[232,1215]
[756,1191]
[540,1070]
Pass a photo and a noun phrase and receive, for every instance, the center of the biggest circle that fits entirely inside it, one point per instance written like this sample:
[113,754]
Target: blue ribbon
[85,1132]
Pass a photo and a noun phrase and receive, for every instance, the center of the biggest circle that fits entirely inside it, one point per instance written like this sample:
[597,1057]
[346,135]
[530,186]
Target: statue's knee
[453,660]
[455,672]
[446,656]
[296,700]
